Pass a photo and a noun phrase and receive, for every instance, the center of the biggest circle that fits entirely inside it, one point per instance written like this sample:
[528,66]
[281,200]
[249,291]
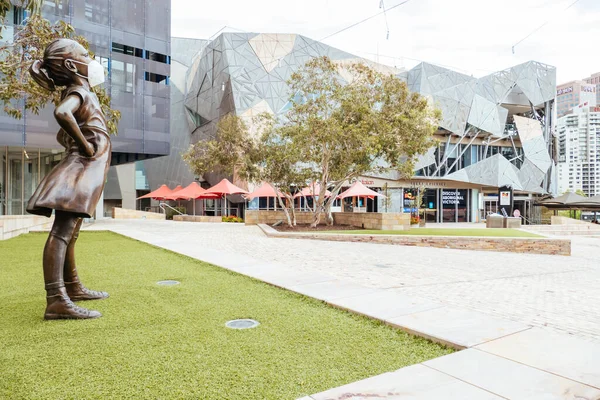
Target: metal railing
[163,205]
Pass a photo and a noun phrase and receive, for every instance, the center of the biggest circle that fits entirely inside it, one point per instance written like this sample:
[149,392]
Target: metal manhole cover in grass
[242,324]
[167,283]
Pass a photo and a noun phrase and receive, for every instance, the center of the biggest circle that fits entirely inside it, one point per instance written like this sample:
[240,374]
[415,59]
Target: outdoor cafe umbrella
[357,189]
[159,194]
[264,190]
[177,189]
[314,189]
[193,191]
[225,188]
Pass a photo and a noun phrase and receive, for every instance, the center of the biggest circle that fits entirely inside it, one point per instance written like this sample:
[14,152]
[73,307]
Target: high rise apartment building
[594,79]
[579,151]
[572,95]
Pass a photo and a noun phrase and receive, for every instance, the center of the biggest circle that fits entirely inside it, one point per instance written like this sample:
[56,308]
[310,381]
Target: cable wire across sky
[539,27]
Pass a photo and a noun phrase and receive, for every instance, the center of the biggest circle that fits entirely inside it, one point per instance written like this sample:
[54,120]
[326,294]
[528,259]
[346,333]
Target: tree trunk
[293,211]
[319,204]
[285,210]
[331,200]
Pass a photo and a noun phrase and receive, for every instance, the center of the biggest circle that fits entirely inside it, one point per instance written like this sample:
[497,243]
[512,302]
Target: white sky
[470,36]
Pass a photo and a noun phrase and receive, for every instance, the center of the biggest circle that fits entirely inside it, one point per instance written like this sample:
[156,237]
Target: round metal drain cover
[242,324]
[167,283]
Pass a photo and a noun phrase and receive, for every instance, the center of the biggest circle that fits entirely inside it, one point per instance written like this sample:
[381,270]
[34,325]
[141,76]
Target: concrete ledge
[196,218]
[15,225]
[512,245]
[124,213]
[378,221]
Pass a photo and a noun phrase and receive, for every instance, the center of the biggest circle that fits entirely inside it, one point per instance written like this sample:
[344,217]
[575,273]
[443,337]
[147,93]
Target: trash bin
[494,221]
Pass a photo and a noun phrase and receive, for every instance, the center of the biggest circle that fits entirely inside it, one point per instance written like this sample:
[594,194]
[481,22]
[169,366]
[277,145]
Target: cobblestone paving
[556,292]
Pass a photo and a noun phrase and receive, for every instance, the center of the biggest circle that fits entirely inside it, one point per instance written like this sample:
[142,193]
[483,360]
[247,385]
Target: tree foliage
[17,88]
[234,151]
[342,128]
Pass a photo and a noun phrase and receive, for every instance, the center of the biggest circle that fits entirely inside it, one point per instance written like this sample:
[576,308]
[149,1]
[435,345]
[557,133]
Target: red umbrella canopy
[314,189]
[359,190]
[159,194]
[226,188]
[192,191]
[265,190]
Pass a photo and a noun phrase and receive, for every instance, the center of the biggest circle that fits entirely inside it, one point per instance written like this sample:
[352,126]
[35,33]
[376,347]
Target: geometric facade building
[495,130]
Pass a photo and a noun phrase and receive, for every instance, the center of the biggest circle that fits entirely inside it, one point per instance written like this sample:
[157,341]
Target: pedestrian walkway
[505,358]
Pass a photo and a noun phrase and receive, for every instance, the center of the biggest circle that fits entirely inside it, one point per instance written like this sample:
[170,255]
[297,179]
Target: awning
[571,201]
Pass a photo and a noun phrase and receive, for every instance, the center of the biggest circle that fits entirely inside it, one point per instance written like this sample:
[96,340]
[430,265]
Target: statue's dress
[76,183]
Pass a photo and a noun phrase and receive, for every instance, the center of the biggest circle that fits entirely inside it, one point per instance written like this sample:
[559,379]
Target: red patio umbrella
[314,189]
[192,191]
[357,189]
[265,190]
[225,188]
[159,194]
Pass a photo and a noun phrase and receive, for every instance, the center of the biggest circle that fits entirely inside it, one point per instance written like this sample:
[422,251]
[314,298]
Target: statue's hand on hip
[88,149]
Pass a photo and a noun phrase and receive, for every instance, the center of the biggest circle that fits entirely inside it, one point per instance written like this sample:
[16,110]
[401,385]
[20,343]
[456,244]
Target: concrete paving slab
[283,276]
[510,379]
[331,290]
[455,327]
[416,382]
[385,305]
[563,355]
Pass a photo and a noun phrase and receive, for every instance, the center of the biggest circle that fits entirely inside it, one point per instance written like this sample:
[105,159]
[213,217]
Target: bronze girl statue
[72,189]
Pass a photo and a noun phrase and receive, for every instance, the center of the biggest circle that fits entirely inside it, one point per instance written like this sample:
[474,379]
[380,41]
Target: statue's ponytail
[40,75]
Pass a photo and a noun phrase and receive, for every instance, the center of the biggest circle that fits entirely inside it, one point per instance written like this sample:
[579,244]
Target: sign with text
[564,90]
[453,197]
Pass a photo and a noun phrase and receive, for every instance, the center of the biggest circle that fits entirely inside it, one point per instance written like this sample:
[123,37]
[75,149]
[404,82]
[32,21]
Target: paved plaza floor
[530,324]
[554,292]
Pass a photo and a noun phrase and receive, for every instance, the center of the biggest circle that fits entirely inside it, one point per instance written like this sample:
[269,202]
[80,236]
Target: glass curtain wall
[21,171]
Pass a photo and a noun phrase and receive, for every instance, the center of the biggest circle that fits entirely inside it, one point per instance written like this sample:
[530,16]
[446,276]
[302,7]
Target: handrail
[162,205]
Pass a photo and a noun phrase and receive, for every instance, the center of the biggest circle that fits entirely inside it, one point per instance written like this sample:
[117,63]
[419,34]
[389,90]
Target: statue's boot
[78,292]
[60,306]
[75,288]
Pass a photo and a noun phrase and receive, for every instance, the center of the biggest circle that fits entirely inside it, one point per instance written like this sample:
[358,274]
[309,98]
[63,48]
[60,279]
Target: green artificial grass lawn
[170,342]
[488,232]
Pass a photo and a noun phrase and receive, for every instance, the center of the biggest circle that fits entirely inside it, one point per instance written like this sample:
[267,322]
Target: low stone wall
[512,245]
[15,225]
[255,217]
[378,221]
[124,213]
[196,218]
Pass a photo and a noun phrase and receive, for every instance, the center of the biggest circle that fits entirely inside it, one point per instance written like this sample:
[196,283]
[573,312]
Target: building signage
[367,182]
[453,197]
[505,198]
[590,89]
[564,90]
[427,184]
